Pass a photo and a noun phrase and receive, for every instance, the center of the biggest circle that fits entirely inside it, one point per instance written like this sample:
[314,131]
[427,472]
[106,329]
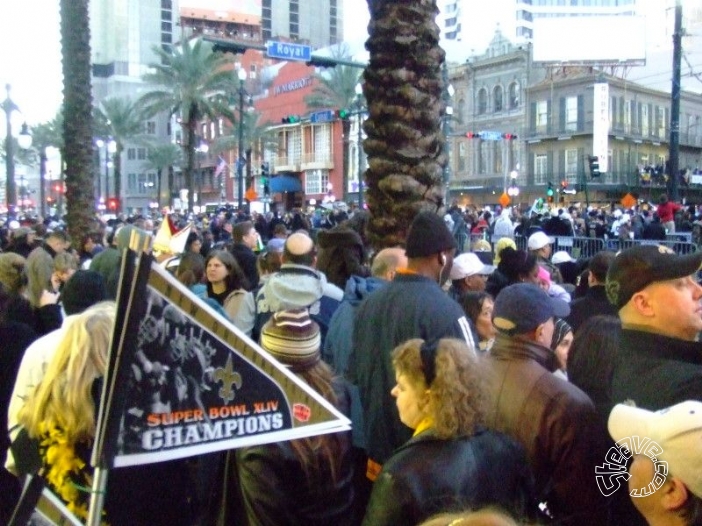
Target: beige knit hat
[293,338]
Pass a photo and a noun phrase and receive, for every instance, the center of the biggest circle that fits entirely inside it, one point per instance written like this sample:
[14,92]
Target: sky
[30,48]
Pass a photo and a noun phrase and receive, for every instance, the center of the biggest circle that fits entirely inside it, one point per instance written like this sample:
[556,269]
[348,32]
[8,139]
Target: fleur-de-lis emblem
[229,378]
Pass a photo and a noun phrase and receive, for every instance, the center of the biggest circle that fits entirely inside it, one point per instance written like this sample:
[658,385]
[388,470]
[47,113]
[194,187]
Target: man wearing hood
[298,285]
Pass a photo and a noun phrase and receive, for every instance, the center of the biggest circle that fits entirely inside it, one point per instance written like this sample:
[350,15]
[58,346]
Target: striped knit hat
[293,338]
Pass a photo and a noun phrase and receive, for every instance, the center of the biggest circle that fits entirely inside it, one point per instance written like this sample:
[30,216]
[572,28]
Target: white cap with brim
[468,264]
[677,430]
[539,240]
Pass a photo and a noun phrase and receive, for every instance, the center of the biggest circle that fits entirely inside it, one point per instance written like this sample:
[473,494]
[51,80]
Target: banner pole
[97,497]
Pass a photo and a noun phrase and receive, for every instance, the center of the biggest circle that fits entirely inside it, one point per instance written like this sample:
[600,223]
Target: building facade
[519,122]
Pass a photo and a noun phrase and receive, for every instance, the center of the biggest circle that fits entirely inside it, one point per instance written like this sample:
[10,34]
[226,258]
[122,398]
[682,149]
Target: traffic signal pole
[675,105]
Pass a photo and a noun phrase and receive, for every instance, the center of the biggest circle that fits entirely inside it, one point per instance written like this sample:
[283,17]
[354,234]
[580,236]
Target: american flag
[221,165]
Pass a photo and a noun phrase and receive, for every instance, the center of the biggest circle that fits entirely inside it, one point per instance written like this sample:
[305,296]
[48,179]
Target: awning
[285,183]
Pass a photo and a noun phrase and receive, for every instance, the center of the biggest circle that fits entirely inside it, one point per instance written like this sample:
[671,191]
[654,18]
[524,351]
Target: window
[627,117]
[660,121]
[571,165]
[540,168]
[571,116]
[482,101]
[151,128]
[513,95]
[131,154]
[132,183]
[141,154]
[316,181]
[542,113]
[497,96]
[644,120]
[497,157]
[462,156]
[482,157]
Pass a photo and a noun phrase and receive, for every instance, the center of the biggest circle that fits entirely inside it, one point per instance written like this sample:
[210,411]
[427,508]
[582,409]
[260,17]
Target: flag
[221,165]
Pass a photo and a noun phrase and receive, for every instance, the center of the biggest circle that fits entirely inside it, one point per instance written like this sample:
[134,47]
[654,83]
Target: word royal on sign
[286,51]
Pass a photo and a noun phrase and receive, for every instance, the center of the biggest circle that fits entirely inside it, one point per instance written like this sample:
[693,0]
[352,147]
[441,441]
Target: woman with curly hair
[452,462]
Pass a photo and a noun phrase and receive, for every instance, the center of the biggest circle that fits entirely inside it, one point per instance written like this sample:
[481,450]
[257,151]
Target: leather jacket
[428,475]
[277,490]
[555,422]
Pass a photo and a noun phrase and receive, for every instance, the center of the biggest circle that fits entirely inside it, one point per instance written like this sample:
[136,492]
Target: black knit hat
[83,289]
[428,235]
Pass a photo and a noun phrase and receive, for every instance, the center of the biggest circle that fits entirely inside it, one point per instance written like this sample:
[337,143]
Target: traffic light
[113,204]
[343,114]
[322,62]
[564,185]
[594,165]
[549,192]
[290,119]
[509,136]
[472,135]
[265,174]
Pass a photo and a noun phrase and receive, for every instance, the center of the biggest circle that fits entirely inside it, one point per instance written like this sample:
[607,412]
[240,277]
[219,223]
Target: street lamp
[359,147]
[513,190]
[241,73]
[110,149]
[202,148]
[24,141]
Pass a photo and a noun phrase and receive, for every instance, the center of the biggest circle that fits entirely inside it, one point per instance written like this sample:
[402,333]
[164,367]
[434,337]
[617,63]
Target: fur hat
[293,338]
[428,235]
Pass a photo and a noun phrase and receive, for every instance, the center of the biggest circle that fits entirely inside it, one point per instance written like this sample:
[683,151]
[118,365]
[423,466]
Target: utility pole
[675,104]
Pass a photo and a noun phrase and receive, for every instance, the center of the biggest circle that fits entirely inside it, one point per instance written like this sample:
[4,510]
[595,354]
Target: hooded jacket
[295,287]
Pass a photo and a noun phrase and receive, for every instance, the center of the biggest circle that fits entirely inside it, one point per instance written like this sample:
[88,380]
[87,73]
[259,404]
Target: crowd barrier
[586,247]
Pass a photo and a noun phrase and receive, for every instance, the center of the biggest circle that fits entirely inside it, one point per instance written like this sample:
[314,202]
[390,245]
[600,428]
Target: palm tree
[257,137]
[336,89]
[405,146]
[45,135]
[194,83]
[158,157]
[77,124]
[124,122]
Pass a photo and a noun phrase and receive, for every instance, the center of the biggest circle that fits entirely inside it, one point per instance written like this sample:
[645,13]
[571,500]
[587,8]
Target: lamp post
[447,96]
[24,140]
[241,73]
[359,145]
[513,190]
[202,148]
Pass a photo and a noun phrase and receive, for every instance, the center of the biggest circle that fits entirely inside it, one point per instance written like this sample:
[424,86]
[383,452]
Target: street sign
[322,116]
[490,135]
[286,51]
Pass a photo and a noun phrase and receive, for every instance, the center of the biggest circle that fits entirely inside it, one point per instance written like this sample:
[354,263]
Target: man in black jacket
[595,300]
[245,240]
[659,363]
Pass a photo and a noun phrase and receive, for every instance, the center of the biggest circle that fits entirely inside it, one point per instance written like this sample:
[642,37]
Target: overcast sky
[30,50]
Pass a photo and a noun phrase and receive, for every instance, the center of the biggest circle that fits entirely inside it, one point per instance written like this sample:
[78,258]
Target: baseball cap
[561,257]
[468,264]
[539,240]
[276,244]
[635,268]
[522,307]
[676,429]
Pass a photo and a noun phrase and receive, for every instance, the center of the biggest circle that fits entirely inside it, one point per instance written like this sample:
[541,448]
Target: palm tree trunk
[405,145]
[78,122]
[189,145]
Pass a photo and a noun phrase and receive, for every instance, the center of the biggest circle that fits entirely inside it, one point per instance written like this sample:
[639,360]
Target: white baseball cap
[539,240]
[562,257]
[469,264]
[677,430]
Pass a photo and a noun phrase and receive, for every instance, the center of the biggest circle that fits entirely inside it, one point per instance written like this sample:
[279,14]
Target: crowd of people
[485,383]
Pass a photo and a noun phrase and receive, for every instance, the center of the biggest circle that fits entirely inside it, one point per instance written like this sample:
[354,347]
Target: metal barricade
[679,247]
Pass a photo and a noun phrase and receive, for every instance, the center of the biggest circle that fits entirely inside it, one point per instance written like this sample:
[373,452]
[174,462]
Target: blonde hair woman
[60,413]
[451,462]
[61,416]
